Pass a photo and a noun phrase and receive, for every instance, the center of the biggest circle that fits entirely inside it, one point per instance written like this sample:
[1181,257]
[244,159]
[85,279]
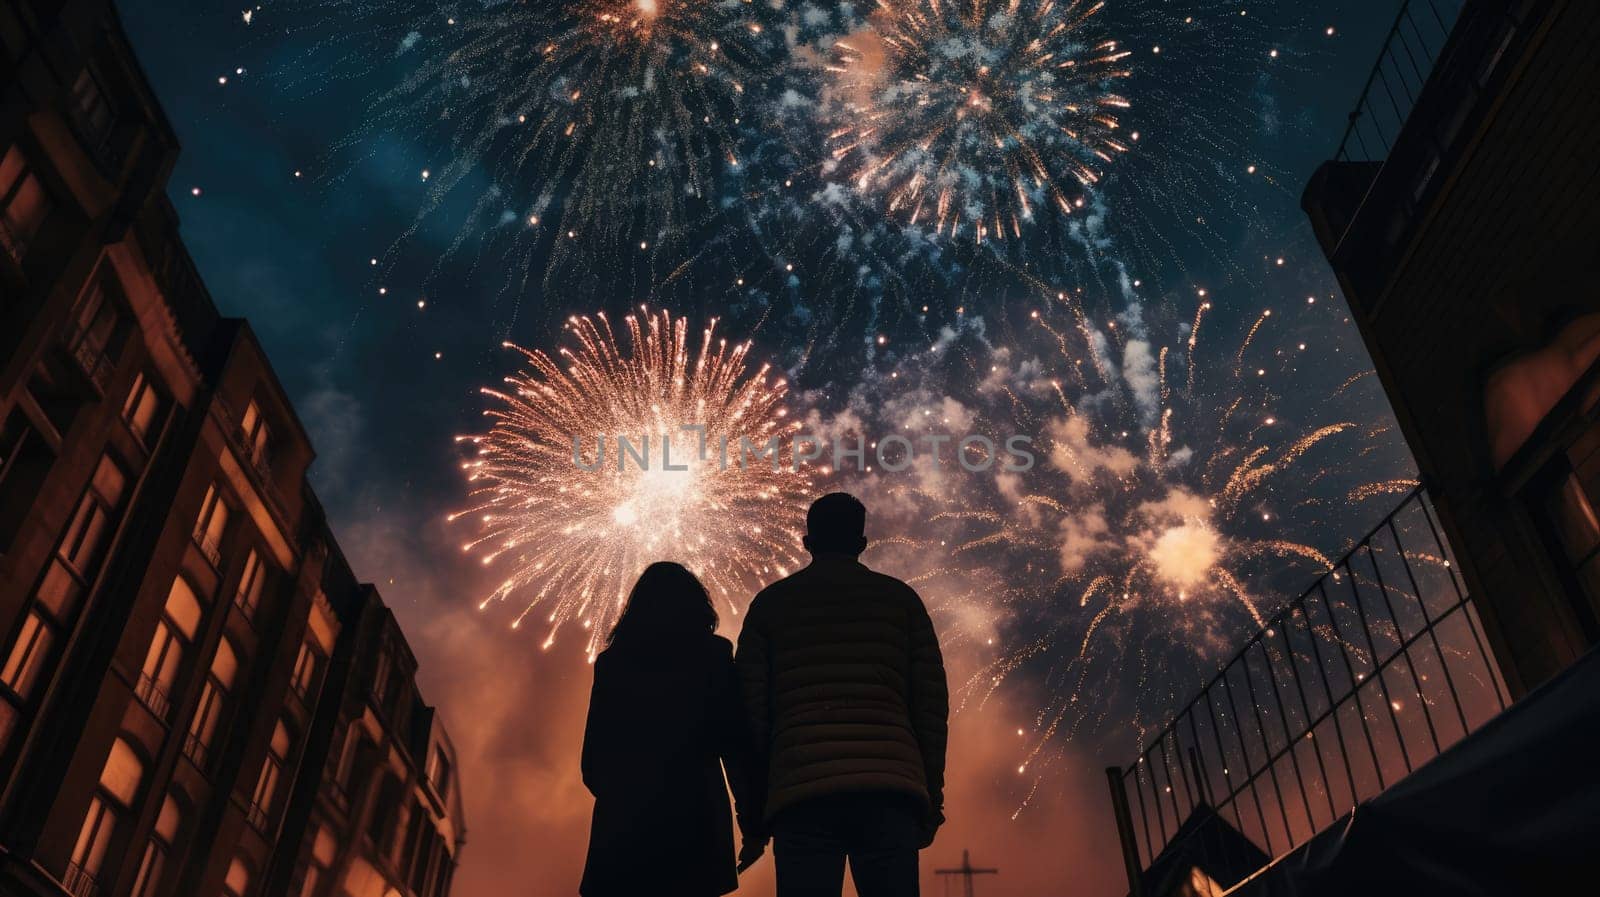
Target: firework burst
[968,116]
[1166,519]
[573,515]
[1172,509]
[971,147]
[585,134]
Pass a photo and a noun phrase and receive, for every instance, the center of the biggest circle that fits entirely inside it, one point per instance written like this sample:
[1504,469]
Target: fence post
[1130,847]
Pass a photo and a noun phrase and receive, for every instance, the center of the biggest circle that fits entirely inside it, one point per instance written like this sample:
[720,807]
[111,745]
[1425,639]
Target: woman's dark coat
[664,719]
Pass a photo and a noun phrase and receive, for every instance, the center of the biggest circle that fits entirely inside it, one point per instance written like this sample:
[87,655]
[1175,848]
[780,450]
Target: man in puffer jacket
[845,690]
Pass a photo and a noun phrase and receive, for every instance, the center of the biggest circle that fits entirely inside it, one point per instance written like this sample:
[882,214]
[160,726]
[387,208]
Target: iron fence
[1376,668]
[1413,44]
[79,882]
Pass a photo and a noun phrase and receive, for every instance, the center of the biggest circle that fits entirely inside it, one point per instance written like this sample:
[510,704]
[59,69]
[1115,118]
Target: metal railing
[79,882]
[1375,669]
[210,549]
[257,817]
[245,601]
[153,697]
[198,752]
[1413,44]
[91,358]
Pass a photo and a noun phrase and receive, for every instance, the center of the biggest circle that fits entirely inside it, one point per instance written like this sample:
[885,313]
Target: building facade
[197,696]
[1459,217]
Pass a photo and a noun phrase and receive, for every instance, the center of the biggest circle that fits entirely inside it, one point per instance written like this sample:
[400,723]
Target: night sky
[299,169]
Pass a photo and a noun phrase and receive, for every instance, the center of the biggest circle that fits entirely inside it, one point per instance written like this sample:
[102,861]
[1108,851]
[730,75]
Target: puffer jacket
[845,686]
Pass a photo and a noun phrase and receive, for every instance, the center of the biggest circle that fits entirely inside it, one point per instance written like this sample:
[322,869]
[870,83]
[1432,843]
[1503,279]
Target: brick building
[197,696]
[1459,216]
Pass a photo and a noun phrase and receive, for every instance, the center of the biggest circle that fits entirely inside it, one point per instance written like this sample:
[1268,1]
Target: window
[256,436]
[211,525]
[24,203]
[439,771]
[438,858]
[144,410]
[154,860]
[388,687]
[99,333]
[417,847]
[82,546]
[90,852]
[1572,509]
[213,703]
[445,875]
[324,850]
[345,774]
[25,459]
[179,622]
[248,595]
[1542,417]
[23,669]
[119,785]
[237,884]
[382,825]
[313,877]
[271,771]
[23,665]
[54,609]
[92,112]
[380,677]
[305,670]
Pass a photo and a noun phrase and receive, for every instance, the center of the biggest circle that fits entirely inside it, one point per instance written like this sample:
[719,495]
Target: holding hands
[750,852]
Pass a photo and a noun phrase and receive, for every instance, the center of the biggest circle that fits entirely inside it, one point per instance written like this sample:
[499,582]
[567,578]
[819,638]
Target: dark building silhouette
[1459,216]
[197,696]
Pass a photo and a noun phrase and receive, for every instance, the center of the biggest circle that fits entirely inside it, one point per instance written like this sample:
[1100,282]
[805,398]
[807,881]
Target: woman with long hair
[664,724]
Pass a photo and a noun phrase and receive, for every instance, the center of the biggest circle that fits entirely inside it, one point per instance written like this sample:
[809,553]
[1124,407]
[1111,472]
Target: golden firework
[614,453]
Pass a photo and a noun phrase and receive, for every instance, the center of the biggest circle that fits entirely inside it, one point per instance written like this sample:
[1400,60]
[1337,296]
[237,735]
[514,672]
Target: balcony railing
[92,360]
[1429,94]
[259,461]
[245,603]
[153,697]
[209,547]
[1375,669]
[78,882]
[196,751]
[1414,42]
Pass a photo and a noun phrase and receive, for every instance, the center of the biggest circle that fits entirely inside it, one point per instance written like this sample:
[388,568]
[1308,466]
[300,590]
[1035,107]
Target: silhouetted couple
[830,725]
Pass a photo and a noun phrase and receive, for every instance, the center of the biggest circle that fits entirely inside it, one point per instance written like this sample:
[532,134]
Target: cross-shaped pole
[967,873]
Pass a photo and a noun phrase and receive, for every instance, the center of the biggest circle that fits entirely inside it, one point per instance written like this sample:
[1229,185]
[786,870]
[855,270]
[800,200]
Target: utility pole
[967,873]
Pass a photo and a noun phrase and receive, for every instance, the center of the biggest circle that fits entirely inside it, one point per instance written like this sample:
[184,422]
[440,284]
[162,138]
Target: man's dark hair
[836,523]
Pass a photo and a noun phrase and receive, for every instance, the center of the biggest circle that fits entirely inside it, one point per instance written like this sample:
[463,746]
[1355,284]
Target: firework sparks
[1158,528]
[599,124]
[1159,545]
[968,116]
[574,519]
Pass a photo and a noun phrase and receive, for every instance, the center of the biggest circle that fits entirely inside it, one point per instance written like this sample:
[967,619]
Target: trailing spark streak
[574,520]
